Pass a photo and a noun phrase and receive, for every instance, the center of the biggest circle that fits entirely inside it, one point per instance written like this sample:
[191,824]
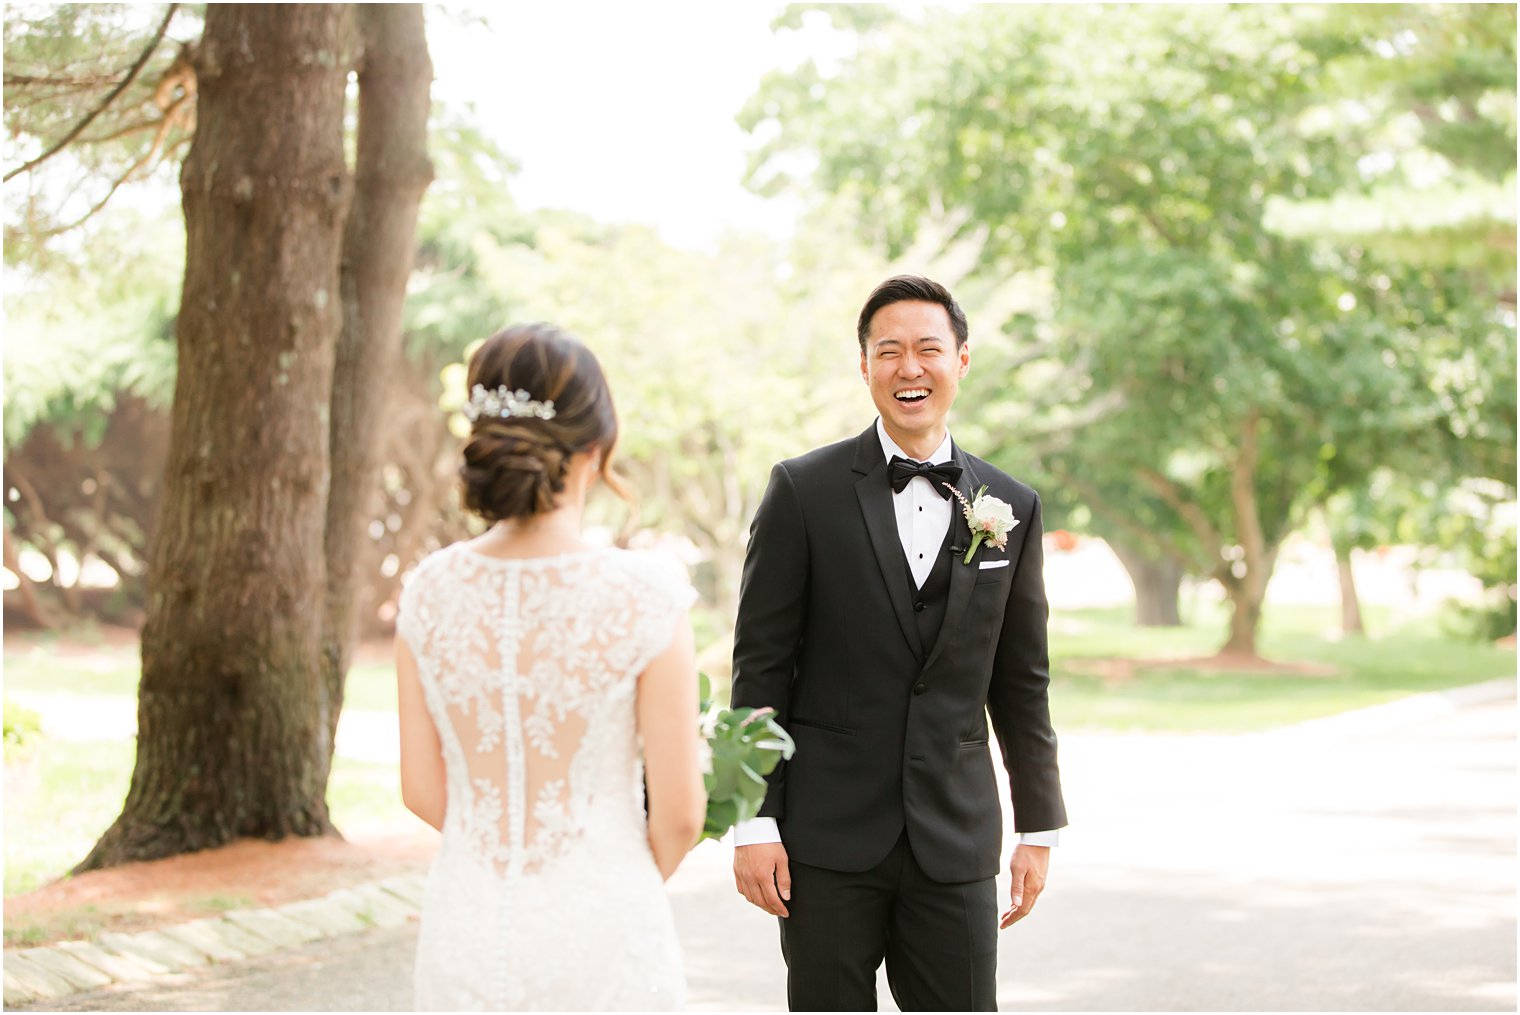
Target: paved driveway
[1361,863]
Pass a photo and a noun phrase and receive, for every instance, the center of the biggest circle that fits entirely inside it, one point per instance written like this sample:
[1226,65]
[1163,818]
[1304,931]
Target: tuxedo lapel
[962,576]
[874,491]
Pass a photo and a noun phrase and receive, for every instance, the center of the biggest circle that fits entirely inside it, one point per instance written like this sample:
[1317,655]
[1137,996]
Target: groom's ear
[965,356]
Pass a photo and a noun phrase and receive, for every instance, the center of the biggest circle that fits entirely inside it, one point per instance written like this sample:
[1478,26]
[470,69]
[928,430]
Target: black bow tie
[902,470]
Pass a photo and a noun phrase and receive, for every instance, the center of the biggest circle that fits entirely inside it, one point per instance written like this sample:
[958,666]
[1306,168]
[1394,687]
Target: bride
[543,684]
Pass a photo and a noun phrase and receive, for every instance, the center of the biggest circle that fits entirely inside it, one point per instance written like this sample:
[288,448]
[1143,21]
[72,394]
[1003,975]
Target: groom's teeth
[913,393]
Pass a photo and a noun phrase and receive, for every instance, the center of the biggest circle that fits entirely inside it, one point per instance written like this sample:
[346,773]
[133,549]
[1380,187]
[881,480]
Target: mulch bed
[249,873]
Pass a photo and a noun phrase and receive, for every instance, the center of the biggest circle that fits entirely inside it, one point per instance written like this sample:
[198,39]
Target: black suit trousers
[939,940]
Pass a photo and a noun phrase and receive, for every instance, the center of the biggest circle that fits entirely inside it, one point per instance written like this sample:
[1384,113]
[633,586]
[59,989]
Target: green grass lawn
[57,803]
[111,672]
[1399,658]
[66,793]
[115,671]
[63,794]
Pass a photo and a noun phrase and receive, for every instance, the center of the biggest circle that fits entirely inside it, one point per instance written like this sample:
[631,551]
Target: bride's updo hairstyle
[515,460]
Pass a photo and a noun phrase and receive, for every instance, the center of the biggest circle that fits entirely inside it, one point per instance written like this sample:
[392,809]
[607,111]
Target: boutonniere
[989,518]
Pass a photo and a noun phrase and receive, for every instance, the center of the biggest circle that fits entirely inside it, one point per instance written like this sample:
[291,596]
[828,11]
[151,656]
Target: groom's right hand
[763,877]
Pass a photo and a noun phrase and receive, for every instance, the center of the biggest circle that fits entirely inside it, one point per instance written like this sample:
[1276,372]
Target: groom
[884,653]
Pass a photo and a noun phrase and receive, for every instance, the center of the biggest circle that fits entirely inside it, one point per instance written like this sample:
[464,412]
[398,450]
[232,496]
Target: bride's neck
[551,528]
[545,534]
[549,532]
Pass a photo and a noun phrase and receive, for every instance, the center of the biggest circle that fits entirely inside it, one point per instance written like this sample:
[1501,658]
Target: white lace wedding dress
[544,894]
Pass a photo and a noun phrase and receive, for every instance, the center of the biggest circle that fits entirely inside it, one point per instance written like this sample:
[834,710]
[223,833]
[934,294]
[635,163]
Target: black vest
[929,601]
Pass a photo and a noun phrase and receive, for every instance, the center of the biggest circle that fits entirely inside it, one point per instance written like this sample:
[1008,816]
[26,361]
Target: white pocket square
[986,564]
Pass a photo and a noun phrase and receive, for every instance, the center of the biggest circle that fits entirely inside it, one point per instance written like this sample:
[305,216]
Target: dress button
[920,556]
[919,688]
[918,607]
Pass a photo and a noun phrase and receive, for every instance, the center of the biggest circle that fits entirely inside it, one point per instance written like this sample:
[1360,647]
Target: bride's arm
[667,722]
[423,789]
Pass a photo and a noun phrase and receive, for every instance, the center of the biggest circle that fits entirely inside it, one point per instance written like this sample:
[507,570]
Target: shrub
[23,729]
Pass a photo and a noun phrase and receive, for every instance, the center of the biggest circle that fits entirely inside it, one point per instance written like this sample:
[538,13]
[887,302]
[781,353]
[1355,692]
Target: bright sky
[624,111]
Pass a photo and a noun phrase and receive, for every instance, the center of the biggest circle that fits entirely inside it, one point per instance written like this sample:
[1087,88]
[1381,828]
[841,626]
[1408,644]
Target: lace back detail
[529,668]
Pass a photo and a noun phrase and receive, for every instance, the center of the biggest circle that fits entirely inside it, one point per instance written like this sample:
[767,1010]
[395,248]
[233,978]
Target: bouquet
[744,745]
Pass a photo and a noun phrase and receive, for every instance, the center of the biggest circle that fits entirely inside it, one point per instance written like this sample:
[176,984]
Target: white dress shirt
[923,518]
[923,514]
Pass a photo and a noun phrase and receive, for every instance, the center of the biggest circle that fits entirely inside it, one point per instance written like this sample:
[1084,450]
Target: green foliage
[62,62]
[853,16]
[746,745]
[1426,100]
[1128,168]
[1444,73]
[23,728]
[78,337]
[1478,526]
[467,216]
[721,361]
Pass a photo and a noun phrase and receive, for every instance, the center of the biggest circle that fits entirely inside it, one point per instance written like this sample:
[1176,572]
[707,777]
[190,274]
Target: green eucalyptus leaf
[746,745]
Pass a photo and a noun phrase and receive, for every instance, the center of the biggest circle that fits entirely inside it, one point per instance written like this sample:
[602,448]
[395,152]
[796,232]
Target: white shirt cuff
[756,831]
[1050,838]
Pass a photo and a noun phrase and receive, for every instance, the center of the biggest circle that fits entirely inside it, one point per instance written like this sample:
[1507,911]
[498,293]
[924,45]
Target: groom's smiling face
[914,368]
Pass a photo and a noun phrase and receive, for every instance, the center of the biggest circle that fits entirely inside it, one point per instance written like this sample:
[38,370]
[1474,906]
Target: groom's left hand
[1029,867]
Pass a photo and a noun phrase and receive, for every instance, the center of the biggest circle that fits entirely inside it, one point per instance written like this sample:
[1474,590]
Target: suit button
[918,607]
[919,688]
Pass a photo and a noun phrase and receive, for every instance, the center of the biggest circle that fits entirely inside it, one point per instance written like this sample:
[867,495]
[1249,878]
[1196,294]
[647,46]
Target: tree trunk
[1157,581]
[1351,607]
[230,737]
[391,173]
[28,594]
[1248,590]
[1245,618]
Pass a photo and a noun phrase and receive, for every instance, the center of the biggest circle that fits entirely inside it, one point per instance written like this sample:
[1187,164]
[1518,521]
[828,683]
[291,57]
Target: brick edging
[50,972]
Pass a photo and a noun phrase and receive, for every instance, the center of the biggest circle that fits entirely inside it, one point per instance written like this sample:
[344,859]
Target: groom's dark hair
[915,288]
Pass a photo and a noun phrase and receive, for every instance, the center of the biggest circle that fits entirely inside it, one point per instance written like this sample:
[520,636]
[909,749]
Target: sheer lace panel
[529,669]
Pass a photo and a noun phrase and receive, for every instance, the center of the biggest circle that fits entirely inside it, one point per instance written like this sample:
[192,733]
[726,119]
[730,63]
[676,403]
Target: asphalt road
[1360,863]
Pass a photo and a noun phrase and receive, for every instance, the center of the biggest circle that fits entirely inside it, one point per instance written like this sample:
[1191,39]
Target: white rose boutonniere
[990,519]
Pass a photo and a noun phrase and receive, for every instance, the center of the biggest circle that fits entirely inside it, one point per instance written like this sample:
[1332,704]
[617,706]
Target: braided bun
[515,466]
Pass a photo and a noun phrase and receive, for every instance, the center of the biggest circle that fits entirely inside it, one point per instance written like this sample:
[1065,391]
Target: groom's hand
[763,877]
[1029,867]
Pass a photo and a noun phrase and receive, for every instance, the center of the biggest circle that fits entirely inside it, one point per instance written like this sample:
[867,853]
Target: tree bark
[391,173]
[1351,607]
[230,739]
[1157,581]
[28,594]
[1245,619]
[1248,591]
[1248,597]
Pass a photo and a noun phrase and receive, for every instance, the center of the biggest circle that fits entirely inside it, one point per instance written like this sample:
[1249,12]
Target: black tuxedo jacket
[888,734]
